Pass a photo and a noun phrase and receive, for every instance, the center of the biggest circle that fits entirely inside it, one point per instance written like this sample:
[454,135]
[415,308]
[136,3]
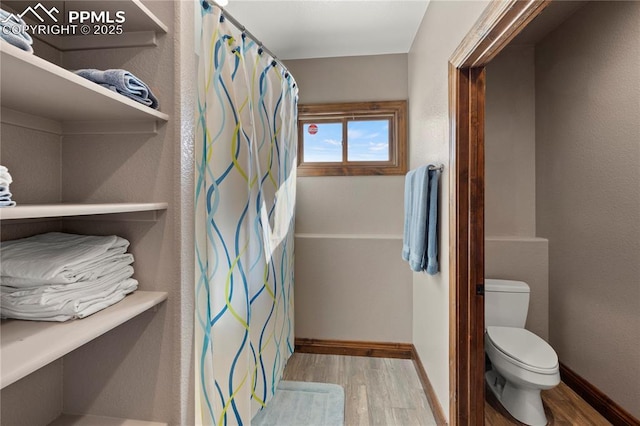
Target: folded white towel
[65,301]
[79,305]
[5,176]
[91,271]
[56,257]
[51,294]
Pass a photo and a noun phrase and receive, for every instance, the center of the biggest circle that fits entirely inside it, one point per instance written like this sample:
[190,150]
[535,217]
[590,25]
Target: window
[351,139]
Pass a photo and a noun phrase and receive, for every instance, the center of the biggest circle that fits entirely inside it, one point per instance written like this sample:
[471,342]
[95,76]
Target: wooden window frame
[394,111]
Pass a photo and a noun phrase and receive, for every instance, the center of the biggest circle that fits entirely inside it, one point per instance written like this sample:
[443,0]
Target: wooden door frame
[501,21]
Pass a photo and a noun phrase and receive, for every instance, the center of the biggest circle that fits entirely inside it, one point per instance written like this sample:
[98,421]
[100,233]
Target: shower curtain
[245,155]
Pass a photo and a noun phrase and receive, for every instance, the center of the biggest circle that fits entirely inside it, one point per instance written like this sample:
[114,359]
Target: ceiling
[301,29]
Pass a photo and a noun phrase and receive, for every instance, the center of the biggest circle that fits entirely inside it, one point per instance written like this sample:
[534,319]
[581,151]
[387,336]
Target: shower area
[245,191]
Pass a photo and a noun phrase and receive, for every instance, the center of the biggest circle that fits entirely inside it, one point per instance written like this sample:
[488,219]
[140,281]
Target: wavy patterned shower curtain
[244,213]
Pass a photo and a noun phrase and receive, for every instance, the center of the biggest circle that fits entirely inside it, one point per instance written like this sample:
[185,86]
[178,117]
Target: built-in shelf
[35,211]
[139,27]
[26,346]
[87,420]
[37,87]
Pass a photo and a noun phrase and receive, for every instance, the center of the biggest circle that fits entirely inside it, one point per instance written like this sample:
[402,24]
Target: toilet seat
[523,349]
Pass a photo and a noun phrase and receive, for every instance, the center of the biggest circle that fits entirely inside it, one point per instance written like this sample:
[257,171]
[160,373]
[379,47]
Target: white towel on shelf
[46,294]
[56,257]
[74,305]
[5,177]
[91,271]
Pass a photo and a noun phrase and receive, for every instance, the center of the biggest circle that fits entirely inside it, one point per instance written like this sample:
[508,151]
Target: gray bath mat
[303,404]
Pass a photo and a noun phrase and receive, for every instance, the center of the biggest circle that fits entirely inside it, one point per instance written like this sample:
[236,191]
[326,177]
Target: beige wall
[35,399]
[511,251]
[351,79]
[340,219]
[443,27]
[588,169]
[185,96]
[510,144]
[359,291]
[350,205]
[40,181]
[523,259]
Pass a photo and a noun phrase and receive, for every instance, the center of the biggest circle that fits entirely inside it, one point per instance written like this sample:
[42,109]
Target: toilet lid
[523,346]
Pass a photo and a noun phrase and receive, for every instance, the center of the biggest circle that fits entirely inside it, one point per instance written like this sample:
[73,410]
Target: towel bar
[438,167]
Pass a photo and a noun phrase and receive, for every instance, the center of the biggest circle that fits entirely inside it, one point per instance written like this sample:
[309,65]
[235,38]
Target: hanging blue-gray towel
[420,236]
[414,245]
[408,210]
[432,266]
[12,30]
[123,82]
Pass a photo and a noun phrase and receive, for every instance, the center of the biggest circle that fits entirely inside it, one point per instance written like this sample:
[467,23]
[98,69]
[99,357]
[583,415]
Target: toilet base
[523,404]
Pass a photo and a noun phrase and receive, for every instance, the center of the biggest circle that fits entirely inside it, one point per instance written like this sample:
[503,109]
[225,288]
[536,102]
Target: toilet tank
[506,303]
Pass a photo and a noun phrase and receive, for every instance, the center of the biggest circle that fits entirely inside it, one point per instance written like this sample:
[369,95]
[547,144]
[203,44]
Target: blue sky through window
[325,145]
[368,141]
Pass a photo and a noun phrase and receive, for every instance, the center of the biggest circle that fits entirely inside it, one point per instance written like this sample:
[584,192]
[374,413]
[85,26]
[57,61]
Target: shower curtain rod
[242,28]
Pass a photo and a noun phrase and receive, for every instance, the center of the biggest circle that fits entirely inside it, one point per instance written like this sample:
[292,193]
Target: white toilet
[522,363]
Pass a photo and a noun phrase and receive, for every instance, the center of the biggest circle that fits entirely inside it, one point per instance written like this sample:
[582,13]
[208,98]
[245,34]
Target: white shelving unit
[72,420]
[37,87]
[29,345]
[38,95]
[35,211]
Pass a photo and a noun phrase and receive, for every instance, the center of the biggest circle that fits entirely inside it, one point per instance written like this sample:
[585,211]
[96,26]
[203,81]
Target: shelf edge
[90,420]
[17,372]
[38,211]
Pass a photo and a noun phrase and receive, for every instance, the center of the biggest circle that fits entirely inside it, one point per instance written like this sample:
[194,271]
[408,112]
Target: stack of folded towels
[58,276]
[13,30]
[5,192]
[123,82]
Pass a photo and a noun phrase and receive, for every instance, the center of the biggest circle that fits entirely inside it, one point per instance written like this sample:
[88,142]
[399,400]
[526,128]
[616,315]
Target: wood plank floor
[561,405]
[387,392]
[378,391]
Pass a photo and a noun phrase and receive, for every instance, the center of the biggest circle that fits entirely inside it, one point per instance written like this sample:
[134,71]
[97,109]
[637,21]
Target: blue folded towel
[420,236]
[12,30]
[123,82]
[418,219]
[408,214]
[432,266]
[5,197]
